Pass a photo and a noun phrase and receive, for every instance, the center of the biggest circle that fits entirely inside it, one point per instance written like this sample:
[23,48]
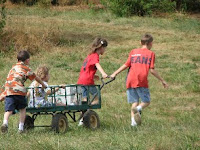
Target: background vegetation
[2,15]
[126,7]
[60,36]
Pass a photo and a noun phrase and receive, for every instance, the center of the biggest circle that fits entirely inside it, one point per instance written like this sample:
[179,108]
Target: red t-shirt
[88,70]
[139,62]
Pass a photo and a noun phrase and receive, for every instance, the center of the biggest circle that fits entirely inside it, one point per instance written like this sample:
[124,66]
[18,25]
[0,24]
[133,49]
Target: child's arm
[104,75]
[28,94]
[155,73]
[49,92]
[40,81]
[122,68]
[53,91]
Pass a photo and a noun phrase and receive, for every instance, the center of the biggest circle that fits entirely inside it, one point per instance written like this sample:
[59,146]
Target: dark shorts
[13,102]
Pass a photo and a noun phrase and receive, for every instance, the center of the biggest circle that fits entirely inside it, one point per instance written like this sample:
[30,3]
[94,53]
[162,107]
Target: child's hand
[44,86]
[165,84]
[2,98]
[113,76]
[63,86]
[104,75]
[96,77]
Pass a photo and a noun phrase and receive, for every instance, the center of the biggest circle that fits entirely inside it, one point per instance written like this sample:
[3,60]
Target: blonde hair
[146,39]
[41,72]
[97,44]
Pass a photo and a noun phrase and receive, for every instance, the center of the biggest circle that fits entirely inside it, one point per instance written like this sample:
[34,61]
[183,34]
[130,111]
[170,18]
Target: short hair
[23,55]
[146,39]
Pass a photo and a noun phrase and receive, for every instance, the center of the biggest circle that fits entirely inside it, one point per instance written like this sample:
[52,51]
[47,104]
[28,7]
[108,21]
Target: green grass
[60,39]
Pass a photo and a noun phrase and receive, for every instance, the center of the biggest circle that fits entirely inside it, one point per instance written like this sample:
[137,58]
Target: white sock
[21,126]
[5,122]
[139,108]
[133,123]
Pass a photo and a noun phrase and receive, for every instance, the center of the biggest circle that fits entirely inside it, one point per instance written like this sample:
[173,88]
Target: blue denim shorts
[133,95]
[92,90]
[13,102]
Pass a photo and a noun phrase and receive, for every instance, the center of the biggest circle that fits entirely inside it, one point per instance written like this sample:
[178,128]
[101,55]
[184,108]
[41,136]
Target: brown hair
[146,39]
[23,55]
[97,44]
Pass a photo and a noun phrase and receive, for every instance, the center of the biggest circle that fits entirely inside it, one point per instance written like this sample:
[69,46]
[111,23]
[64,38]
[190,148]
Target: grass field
[60,39]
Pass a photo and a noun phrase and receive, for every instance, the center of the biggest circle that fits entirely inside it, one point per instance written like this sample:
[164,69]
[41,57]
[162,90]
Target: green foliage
[188,5]
[171,122]
[138,7]
[44,3]
[3,15]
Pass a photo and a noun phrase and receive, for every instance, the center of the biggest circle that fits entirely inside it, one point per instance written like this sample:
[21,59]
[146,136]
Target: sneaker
[140,112]
[80,122]
[137,116]
[21,131]
[133,125]
[134,110]
[4,128]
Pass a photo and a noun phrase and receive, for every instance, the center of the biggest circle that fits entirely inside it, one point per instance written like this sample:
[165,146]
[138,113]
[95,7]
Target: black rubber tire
[59,123]
[91,119]
[29,123]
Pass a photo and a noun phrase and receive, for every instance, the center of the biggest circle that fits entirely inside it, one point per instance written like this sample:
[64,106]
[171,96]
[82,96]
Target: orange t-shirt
[139,63]
[15,80]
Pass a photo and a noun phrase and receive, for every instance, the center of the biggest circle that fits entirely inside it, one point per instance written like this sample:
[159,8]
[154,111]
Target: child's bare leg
[144,105]
[22,116]
[141,106]
[4,127]
[6,117]
[96,101]
[85,99]
[134,105]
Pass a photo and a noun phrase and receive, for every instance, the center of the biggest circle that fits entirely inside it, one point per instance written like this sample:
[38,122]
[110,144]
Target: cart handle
[104,83]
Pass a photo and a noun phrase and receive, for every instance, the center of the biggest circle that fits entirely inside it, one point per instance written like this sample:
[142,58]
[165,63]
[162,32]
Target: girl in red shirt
[89,68]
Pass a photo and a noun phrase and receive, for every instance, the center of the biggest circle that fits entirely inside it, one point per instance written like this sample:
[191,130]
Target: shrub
[188,5]
[3,15]
[139,7]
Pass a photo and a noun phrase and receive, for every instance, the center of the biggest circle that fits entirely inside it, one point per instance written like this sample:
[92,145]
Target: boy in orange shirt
[139,62]
[15,92]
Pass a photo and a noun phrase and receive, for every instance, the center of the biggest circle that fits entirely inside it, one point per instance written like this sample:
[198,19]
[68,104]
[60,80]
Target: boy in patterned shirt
[15,92]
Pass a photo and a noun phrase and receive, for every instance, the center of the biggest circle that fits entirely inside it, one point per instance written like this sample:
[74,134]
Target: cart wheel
[59,123]
[91,120]
[29,122]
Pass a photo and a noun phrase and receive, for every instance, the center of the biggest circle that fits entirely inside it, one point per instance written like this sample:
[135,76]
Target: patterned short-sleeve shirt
[16,78]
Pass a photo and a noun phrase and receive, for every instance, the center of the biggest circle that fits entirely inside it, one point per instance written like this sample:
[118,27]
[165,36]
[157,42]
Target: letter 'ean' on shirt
[138,58]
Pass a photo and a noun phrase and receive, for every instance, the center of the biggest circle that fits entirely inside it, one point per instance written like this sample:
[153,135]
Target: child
[15,91]
[89,68]
[39,94]
[139,62]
